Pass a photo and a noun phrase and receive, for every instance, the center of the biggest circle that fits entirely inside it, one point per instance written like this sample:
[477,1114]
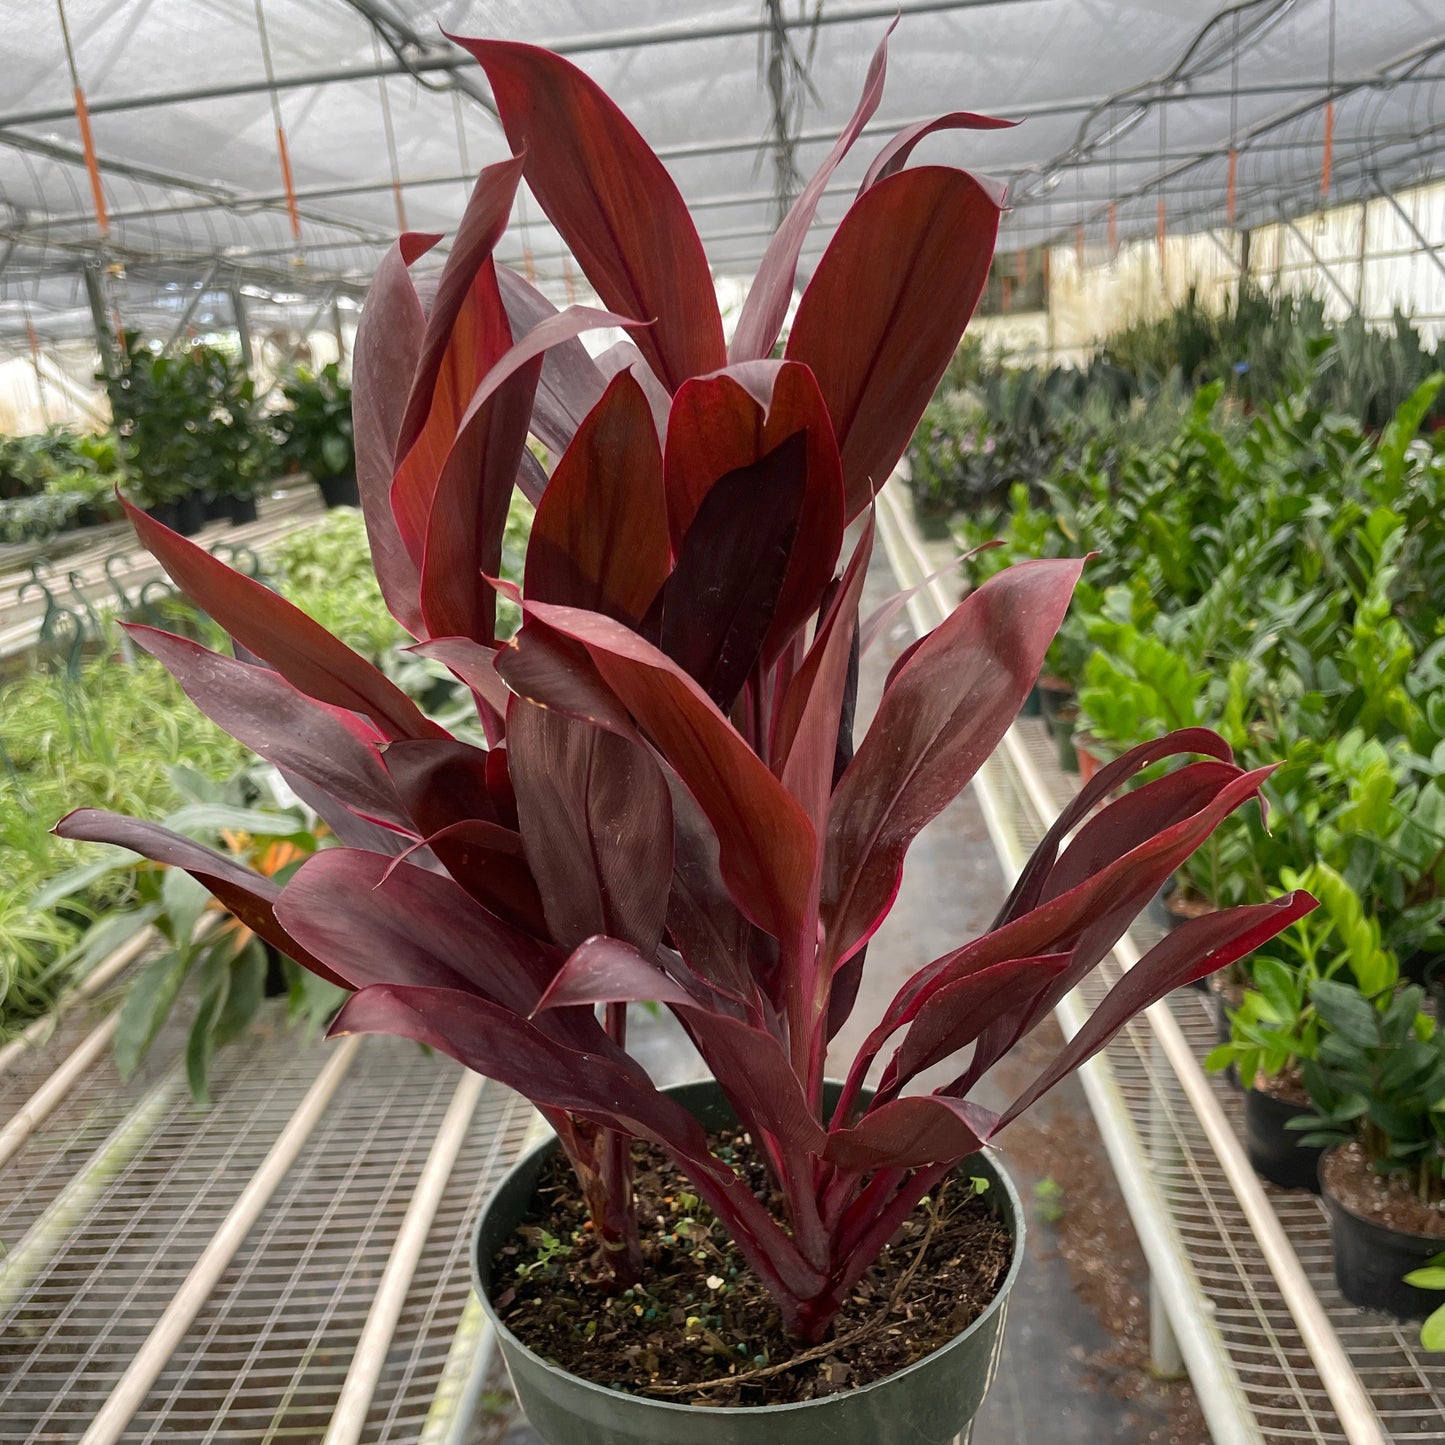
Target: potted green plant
[316,432]
[669,806]
[188,430]
[1377,1084]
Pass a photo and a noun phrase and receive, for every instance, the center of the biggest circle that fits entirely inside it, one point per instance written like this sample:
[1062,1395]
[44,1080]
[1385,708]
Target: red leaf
[766,842]
[332,748]
[941,718]
[614,205]
[606,970]
[599,539]
[450,792]
[482,225]
[301,650]
[249,895]
[1028,889]
[772,289]
[722,423]
[883,314]
[556,672]
[894,156]
[376,921]
[460,502]
[571,383]
[805,739]
[719,944]
[1195,949]
[723,596]
[384,360]
[911,1134]
[479,339]
[471,662]
[1090,918]
[954,1016]
[596,821]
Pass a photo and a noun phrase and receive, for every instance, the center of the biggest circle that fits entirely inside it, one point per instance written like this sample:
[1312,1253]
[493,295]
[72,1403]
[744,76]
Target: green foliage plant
[315,425]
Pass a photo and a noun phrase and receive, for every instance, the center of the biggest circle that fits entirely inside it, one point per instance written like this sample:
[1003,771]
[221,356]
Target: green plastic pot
[932,1402]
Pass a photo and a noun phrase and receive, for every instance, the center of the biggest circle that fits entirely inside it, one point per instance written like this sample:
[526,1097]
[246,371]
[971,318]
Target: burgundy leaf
[384,360]
[1091,917]
[766,843]
[482,225]
[249,895]
[1028,889]
[911,1133]
[606,970]
[954,1016]
[624,356]
[805,739]
[772,289]
[302,651]
[719,943]
[944,714]
[332,748]
[596,823]
[722,423]
[614,205]
[447,787]
[894,156]
[373,921]
[554,671]
[599,539]
[722,598]
[1194,950]
[473,663]
[882,316]
[479,338]
[571,385]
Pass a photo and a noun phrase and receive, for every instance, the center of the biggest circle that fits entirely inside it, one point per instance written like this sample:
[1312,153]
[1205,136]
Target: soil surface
[1388,1199]
[705,1331]
[1287,1088]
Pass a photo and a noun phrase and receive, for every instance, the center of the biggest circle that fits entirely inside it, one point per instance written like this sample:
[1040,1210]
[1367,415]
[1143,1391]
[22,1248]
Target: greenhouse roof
[1263,108]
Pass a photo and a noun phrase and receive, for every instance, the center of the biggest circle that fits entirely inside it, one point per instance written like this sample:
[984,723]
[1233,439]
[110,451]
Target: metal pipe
[1430,248]
[190,308]
[1322,265]
[107,969]
[42,1103]
[145,1369]
[349,1418]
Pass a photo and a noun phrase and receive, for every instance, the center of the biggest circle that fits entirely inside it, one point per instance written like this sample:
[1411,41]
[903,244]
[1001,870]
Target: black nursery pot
[930,1402]
[190,514]
[217,508]
[1274,1149]
[243,510]
[1052,696]
[339,491]
[1372,1260]
[165,513]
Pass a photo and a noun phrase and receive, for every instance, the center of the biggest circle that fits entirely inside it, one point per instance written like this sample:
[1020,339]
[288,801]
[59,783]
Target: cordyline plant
[670,807]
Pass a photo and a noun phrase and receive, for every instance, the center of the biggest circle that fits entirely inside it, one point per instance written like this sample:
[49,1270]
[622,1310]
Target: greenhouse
[722,722]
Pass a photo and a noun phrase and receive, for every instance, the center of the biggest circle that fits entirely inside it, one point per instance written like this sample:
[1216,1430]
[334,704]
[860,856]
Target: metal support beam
[243,329]
[184,319]
[105,340]
[1431,249]
[1325,269]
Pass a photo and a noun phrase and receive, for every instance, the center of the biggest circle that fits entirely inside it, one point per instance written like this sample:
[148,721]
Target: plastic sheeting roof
[1130,101]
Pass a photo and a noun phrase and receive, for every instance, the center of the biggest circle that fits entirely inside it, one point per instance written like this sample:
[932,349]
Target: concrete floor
[1048,1390]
